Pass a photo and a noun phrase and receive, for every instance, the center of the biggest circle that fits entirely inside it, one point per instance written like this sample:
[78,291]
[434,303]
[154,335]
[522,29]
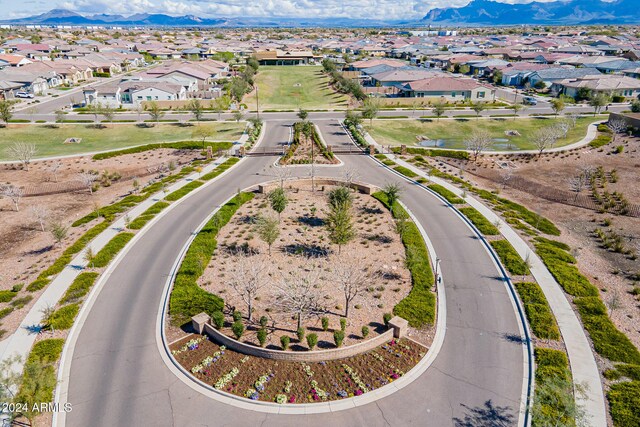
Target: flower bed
[292,382]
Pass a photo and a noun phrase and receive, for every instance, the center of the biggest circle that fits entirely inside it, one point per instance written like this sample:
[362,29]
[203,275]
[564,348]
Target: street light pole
[436,277]
[257,102]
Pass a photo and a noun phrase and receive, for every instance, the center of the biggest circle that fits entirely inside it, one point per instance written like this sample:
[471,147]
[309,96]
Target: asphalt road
[118,378]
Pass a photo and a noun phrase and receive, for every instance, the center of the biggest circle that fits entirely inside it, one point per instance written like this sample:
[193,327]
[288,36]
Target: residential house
[451,89]
[15,60]
[608,84]
[552,75]
[281,57]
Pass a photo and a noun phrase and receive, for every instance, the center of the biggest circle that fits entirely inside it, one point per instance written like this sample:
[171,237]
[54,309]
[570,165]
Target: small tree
[250,274]
[340,227]
[300,333]
[268,230]
[340,197]
[6,111]
[352,280]
[220,105]
[238,115]
[12,193]
[58,231]
[108,113]
[365,331]
[297,293]
[196,108]
[39,378]
[87,179]
[598,101]
[312,340]
[478,107]
[54,168]
[60,116]
[262,336]
[155,112]
[478,141]
[303,114]
[238,329]
[40,214]
[325,323]
[439,109]
[23,152]
[370,110]
[617,126]
[557,105]
[401,222]
[338,337]
[393,192]
[88,256]
[284,342]
[278,200]
[202,133]
[516,107]
[542,139]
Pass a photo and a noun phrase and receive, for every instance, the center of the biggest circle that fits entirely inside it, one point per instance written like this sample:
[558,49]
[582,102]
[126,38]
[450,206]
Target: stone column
[399,326]
[199,320]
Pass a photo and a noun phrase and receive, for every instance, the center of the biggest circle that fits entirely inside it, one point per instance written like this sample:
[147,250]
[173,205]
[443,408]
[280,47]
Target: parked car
[529,100]
[24,95]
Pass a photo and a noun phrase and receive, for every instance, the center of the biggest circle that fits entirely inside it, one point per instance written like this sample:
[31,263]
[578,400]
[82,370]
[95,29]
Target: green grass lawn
[50,141]
[452,133]
[294,87]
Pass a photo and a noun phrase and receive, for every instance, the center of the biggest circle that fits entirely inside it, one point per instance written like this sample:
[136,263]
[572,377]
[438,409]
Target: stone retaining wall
[319,182]
[201,323]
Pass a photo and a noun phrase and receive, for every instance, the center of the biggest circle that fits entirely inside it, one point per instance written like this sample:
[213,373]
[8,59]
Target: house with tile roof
[451,89]
[608,84]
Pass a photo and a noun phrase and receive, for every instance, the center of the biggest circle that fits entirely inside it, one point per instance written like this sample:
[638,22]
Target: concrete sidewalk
[21,341]
[581,358]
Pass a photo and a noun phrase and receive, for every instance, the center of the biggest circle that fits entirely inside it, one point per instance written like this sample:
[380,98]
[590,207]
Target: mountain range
[563,12]
[477,12]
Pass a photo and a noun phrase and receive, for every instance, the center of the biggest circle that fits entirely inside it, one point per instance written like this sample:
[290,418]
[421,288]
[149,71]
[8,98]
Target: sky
[375,9]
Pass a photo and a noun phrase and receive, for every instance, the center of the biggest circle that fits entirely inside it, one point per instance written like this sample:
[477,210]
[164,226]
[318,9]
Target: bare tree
[87,179]
[352,279]
[282,174]
[577,184]
[543,139]
[12,193]
[268,230]
[505,176]
[297,293]
[40,214]
[250,274]
[54,168]
[350,175]
[572,119]
[561,129]
[617,126]
[23,152]
[478,141]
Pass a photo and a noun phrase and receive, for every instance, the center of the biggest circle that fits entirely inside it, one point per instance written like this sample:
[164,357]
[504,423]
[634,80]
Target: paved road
[119,379]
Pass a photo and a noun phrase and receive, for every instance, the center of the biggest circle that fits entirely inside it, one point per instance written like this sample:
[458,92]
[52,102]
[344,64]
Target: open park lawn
[50,141]
[295,382]
[448,133]
[294,87]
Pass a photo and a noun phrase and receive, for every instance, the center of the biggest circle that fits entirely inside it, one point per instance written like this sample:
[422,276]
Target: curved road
[118,378]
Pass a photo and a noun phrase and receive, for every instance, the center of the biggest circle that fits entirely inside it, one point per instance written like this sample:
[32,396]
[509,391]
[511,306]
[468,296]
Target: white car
[24,95]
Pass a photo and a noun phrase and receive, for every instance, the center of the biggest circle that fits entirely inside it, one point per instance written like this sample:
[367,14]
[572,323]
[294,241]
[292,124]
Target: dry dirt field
[617,274]
[303,245]
[25,249]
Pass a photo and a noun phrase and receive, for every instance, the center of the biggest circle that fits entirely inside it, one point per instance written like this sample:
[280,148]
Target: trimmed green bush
[325,323]
[405,171]
[80,287]
[300,333]
[47,350]
[533,219]
[448,195]
[147,215]
[510,258]
[4,312]
[338,337]
[481,223]
[223,167]
[600,141]
[343,324]
[180,193]
[263,321]
[312,340]
[284,342]
[111,249]
[386,318]
[217,317]
[560,264]
[187,298]
[624,401]
[365,331]
[238,329]
[541,319]
[262,336]
[555,243]
[237,315]
[63,317]
[6,296]
[419,307]
[21,302]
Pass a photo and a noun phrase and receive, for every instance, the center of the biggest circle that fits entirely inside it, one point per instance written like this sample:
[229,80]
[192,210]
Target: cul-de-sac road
[118,377]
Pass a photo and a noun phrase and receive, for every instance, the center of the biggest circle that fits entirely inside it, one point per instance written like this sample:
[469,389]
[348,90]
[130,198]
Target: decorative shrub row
[63,317]
[510,258]
[561,265]
[221,168]
[110,250]
[419,307]
[624,401]
[600,141]
[147,215]
[541,319]
[80,287]
[180,193]
[481,223]
[453,154]
[182,145]
[554,388]
[404,171]
[187,298]
[447,194]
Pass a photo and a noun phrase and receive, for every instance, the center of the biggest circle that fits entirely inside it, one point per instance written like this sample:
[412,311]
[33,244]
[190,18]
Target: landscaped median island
[306,147]
[288,278]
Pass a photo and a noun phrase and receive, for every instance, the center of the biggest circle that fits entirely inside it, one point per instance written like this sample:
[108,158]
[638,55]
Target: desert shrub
[284,342]
[365,331]
[338,337]
[47,350]
[312,340]
[6,296]
[221,168]
[554,243]
[238,329]
[63,317]
[263,321]
[600,141]
[80,287]
[217,317]
[624,401]
[19,303]
[4,312]
[237,315]
[325,323]
[560,264]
